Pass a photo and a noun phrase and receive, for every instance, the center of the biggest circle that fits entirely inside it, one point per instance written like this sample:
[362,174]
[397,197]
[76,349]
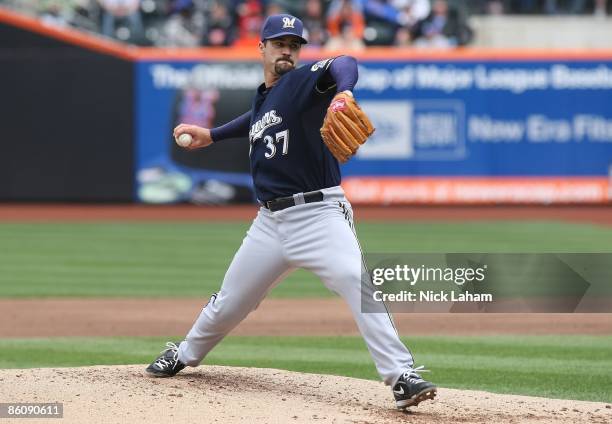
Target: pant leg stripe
[363,262]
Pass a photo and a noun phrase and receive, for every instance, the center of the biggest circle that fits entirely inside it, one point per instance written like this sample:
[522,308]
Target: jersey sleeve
[324,82]
[238,127]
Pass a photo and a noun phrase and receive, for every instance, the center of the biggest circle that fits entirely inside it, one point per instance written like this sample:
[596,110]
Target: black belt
[286,202]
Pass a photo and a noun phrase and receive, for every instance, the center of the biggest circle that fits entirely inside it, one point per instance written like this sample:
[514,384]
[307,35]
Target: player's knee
[224,315]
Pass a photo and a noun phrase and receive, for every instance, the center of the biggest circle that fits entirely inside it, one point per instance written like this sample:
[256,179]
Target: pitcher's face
[280,55]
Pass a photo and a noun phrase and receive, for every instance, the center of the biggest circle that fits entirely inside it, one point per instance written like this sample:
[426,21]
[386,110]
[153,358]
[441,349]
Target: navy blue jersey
[287,153]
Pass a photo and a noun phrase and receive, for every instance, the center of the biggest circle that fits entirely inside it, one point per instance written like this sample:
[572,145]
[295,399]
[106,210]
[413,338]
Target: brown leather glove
[345,127]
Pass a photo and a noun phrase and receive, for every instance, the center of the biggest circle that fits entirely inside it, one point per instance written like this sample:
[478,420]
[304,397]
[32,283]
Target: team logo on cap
[288,22]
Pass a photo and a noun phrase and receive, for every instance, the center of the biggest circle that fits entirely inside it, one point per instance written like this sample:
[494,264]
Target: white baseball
[184,140]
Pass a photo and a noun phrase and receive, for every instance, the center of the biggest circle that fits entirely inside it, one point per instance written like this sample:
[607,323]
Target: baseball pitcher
[302,123]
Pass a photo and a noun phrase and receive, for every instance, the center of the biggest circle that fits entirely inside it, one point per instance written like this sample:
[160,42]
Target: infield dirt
[274,317]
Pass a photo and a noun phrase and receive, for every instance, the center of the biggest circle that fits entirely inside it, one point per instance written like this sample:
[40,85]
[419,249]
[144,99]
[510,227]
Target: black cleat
[411,389]
[167,364]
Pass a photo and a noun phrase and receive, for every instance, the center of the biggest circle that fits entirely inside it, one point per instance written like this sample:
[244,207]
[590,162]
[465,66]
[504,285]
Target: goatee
[281,68]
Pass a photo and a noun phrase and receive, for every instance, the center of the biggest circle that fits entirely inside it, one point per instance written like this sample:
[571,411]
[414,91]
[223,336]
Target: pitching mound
[227,395]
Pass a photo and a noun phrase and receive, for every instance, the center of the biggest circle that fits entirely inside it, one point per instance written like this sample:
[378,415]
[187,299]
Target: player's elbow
[347,60]
[349,65]
[345,72]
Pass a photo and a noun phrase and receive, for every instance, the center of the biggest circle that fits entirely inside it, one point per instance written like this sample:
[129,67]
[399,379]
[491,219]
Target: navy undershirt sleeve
[343,70]
[235,128]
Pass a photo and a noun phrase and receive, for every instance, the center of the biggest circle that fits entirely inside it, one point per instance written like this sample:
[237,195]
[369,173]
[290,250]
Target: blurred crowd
[332,24]
[549,7]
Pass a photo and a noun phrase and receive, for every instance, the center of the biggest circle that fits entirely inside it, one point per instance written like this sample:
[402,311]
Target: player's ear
[261,47]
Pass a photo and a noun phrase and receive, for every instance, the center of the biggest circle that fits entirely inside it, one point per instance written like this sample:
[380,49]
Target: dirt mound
[209,394]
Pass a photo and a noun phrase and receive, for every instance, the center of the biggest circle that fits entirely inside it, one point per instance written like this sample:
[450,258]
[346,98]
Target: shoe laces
[162,362]
[413,373]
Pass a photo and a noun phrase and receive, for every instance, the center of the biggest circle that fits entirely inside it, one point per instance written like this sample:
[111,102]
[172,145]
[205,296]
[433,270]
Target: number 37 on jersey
[273,143]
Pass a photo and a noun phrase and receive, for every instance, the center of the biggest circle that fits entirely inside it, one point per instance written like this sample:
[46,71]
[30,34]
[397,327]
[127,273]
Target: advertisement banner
[448,131]
[484,132]
[198,93]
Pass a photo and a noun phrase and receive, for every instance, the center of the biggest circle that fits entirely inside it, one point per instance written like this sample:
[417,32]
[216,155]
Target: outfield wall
[453,127]
[67,127]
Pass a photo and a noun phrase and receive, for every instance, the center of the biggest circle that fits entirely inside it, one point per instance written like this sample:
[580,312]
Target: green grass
[187,259]
[571,367]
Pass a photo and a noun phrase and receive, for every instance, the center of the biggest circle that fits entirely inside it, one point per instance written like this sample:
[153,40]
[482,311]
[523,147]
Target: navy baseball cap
[278,25]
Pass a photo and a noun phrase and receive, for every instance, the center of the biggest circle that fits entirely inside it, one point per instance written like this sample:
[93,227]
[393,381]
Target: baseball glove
[345,127]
